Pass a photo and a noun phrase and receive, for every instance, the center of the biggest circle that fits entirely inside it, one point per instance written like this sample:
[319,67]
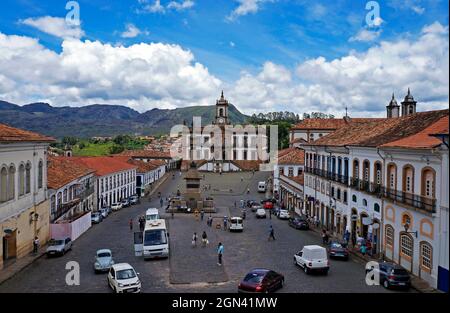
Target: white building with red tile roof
[24,207]
[386,181]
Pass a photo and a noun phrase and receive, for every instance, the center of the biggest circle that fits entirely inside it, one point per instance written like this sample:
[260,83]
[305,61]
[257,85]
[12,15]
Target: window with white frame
[389,236]
[406,245]
[426,255]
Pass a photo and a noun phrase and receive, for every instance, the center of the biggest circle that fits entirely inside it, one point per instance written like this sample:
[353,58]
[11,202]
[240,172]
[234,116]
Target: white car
[236,224]
[122,278]
[261,213]
[312,258]
[116,206]
[283,215]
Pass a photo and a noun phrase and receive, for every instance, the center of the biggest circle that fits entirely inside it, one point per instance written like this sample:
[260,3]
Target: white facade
[286,170]
[64,201]
[116,186]
[144,180]
[389,188]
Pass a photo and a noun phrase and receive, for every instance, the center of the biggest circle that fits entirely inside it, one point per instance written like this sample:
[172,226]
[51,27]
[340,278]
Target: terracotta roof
[298,179]
[298,140]
[105,165]
[247,165]
[147,153]
[423,139]
[329,123]
[294,156]
[374,133]
[142,167]
[63,170]
[11,134]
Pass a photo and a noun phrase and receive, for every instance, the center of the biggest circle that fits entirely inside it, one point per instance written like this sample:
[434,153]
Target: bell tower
[393,109]
[408,105]
[222,111]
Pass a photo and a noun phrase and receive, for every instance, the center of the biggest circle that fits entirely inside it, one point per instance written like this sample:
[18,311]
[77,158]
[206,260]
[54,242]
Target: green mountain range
[103,119]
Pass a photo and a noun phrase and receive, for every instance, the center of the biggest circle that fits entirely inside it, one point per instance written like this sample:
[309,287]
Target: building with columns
[378,179]
[24,206]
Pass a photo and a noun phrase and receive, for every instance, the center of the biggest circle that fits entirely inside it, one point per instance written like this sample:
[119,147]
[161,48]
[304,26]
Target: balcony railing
[63,208]
[417,201]
[328,175]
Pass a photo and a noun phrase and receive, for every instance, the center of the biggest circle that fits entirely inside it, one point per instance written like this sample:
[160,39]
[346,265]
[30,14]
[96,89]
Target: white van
[236,224]
[152,214]
[313,258]
[155,240]
[262,186]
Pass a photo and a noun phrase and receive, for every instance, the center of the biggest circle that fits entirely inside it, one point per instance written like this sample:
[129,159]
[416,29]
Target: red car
[268,205]
[261,280]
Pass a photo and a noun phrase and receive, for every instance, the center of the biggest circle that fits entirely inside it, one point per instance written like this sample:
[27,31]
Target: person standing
[271,233]
[35,244]
[202,214]
[131,224]
[204,239]
[220,250]
[194,240]
[161,201]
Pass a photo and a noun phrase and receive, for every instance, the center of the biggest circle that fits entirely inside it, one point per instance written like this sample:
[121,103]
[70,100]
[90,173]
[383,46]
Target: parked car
[236,224]
[108,209]
[116,206]
[261,213]
[392,275]
[256,207]
[249,203]
[299,223]
[268,205]
[103,260]
[337,250]
[283,215]
[125,203]
[59,246]
[122,278]
[261,280]
[312,258]
[134,199]
[104,212]
[96,217]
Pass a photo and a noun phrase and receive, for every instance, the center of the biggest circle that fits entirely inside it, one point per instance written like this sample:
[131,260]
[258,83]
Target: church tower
[408,105]
[393,109]
[222,111]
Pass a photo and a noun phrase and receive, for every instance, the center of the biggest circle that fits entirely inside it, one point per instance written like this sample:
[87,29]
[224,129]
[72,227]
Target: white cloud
[55,26]
[132,31]
[142,76]
[419,10]
[232,44]
[246,7]
[156,7]
[362,81]
[365,35]
[179,6]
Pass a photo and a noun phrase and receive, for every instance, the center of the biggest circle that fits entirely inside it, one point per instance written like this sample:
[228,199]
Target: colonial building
[378,179]
[154,155]
[71,187]
[226,154]
[24,207]
[116,179]
[288,178]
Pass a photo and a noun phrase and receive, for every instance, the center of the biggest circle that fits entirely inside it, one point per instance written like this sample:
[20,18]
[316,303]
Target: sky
[267,55]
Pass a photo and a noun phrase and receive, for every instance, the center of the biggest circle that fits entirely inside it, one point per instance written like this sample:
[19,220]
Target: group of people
[205,242]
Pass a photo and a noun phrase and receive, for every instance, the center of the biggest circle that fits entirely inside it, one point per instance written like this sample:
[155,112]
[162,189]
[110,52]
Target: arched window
[332,192]
[426,256]
[366,170]
[355,169]
[408,179]
[364,202]
[428,183]
[406,245]
[345,196]
[28,178]
[59,199]
[53,204]
[354,199]
[11,182]
[3,184]
[21,180]
[389,236]
[338,194]
[392,175]
[40,174]
[378,173]
[376,207]
[65,196]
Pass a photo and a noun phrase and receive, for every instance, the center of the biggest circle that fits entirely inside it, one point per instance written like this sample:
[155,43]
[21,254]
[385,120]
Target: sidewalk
[11,269]
[416,283]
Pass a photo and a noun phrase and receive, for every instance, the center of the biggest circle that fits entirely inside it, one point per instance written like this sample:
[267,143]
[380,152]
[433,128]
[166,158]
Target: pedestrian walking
[131,224]
[204,239]
[161,201]
[271,233]
[220,251]
[202,214]
[248,190]
[194,240]
[225,220]
[35,244]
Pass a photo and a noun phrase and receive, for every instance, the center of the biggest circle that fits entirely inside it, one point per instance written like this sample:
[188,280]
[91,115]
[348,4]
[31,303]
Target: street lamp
[406,226]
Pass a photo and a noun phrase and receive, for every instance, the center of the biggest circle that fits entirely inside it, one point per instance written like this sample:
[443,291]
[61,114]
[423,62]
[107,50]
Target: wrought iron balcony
[417,201]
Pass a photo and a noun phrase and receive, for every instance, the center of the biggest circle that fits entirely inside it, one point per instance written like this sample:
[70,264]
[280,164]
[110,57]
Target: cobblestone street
[194,269]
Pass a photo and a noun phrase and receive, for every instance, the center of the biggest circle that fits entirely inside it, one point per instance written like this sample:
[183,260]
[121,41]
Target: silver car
[104,212]
[103,260]
[59,246]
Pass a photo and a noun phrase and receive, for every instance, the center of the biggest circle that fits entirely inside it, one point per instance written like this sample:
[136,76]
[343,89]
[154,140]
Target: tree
[71,141]
[115,149]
